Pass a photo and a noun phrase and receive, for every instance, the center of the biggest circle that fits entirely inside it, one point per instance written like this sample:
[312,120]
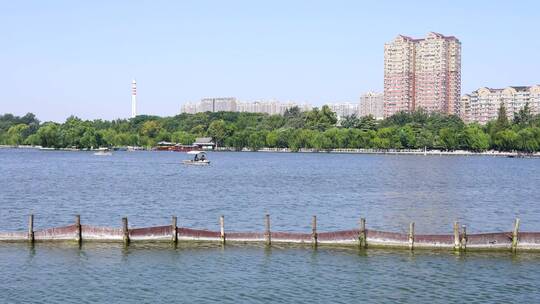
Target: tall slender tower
[133,98]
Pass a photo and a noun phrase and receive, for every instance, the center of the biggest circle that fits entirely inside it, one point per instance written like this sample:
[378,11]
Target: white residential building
[483,104]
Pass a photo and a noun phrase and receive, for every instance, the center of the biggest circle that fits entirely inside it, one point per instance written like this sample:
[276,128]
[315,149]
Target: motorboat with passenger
[199,159]
[103,152]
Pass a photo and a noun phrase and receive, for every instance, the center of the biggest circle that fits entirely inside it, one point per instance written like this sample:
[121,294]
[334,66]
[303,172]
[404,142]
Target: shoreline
[418,152]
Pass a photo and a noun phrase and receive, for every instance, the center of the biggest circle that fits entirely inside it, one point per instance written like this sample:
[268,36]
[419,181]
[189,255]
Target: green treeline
[316,129]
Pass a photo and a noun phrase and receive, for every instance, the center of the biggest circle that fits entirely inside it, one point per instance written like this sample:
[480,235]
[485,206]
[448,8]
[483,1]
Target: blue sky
[59,58]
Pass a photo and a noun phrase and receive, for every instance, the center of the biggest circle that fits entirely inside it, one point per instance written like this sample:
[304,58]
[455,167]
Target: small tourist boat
[199,159]
[103,152]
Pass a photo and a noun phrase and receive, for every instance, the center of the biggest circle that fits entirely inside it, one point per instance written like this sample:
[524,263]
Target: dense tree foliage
[316,129]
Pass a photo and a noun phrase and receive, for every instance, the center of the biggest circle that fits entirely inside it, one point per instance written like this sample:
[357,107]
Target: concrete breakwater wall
[362,237]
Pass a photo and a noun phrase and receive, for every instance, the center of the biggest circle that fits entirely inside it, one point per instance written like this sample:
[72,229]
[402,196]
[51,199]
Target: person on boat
[196,157]
[203,157]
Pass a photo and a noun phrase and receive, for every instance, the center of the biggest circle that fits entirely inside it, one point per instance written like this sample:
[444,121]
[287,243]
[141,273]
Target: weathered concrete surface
[160,233]
[338,237]
[185,234]
[245,236]
[96,233]
[386,239]
[13,236]
[529,241]
[500,240]
[433,241]
[56,234]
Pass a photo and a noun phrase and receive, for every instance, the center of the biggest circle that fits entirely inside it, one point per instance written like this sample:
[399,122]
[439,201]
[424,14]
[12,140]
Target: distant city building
[227,104]
[483,104]
[133,98]
[261,106]
[231,105]
[271,107]
[371,104]
[189,107]
[422,73]
[344,109]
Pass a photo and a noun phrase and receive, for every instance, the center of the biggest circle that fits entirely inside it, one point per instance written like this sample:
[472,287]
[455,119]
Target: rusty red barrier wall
[382,238]
[13,236]
[345,236]
[151,233]
[245,236]
[195,234]
[529,239]
[57,233]
[434,240]
[101,233]
[490,240]
[291,237]
[374,238]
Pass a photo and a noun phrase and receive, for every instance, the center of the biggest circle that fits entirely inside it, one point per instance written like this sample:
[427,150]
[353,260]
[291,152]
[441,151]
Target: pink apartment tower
[422,74]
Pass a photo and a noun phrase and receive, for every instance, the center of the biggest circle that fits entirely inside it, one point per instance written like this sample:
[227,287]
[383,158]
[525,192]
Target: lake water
[486,193]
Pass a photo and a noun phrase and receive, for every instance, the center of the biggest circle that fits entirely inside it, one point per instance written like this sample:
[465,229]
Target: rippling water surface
[390,191]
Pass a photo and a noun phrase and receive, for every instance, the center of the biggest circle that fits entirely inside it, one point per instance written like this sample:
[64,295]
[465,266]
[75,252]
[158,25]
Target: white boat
[103,152]
[200,159]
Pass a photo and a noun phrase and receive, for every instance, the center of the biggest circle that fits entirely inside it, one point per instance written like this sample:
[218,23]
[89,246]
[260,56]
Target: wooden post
[78,229]
[314,231]
[362,235]
[267,233]
[515,235]
[411,236]
[457,242]
[31,228]
[174,229]
[463,237]
[222,229]
[125,231]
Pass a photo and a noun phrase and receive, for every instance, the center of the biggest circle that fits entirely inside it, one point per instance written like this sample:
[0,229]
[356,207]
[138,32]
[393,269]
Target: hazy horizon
[64,58]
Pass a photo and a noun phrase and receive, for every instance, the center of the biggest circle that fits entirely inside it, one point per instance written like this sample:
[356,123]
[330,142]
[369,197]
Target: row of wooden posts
[460,238]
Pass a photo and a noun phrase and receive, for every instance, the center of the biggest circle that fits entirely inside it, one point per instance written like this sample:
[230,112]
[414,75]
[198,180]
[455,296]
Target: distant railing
[362,237]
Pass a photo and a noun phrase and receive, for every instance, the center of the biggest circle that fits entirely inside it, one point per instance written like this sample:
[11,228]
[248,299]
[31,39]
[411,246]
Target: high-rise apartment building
[399,75]
[371,103]
[483,104]
[422,73]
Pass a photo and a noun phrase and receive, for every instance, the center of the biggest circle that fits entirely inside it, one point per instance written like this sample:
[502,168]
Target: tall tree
[523,117]
[502,118]
[217,130]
